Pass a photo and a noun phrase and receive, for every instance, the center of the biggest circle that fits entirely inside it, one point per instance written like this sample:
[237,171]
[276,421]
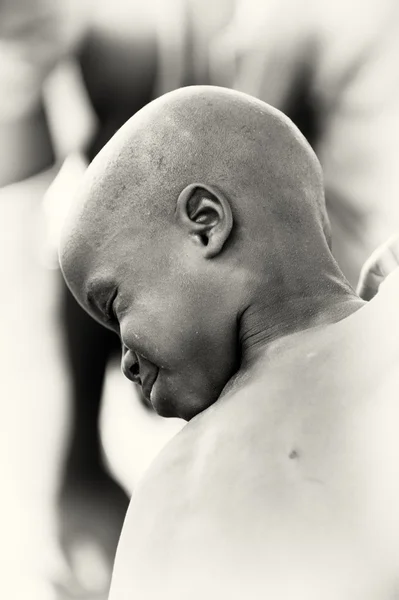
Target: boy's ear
[205,213]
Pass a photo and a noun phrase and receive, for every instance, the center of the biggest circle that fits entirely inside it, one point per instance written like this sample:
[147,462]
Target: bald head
[201,173]
[246,148]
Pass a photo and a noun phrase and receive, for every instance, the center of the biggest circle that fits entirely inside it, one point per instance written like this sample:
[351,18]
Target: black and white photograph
[199,324]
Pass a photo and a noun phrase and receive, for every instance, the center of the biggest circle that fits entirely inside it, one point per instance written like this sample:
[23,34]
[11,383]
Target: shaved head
[213,135]
[203,193]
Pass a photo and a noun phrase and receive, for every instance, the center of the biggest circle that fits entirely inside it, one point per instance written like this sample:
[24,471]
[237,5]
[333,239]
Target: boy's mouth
[147,383]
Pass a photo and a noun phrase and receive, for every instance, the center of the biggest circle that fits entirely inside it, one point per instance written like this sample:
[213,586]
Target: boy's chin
[161,401]
[180,400]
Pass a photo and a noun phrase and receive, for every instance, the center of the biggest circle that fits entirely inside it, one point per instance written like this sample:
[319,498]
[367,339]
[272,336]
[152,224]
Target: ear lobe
[206,215]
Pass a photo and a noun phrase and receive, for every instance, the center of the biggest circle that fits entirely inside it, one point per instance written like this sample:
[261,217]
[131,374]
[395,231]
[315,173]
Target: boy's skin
[200,236]
[383,263]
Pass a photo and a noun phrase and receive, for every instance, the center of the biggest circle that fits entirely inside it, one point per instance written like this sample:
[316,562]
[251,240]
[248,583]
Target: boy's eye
[110,312]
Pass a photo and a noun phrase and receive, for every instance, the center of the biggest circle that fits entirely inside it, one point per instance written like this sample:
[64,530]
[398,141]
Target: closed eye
[100,298]
[110,313]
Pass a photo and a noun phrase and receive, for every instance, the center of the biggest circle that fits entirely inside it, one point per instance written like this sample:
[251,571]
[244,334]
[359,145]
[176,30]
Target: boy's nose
[130,366]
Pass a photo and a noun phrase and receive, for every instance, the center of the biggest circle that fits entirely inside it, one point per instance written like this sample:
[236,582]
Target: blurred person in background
[33,39]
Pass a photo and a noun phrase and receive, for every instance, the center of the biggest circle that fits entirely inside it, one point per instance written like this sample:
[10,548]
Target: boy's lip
[148,383]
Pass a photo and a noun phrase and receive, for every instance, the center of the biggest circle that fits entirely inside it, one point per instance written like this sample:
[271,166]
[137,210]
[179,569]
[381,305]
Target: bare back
[286,488]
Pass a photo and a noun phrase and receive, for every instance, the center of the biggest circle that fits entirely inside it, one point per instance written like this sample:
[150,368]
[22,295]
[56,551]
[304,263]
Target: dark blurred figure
[118,65]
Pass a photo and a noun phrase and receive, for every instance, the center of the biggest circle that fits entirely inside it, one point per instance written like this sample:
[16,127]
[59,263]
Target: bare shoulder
[271,466]
[190,508]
